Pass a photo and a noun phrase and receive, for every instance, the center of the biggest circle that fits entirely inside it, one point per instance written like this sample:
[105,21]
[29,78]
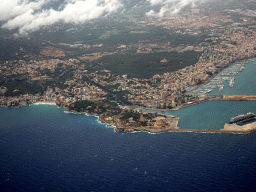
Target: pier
[231,97]
[239,97]
[204,98]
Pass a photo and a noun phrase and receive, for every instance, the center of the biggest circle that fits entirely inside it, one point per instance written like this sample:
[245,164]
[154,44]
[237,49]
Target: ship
[243,119]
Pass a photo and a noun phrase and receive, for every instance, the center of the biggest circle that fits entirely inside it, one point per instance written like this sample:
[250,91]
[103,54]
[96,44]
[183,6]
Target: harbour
[211,114]
[232,92]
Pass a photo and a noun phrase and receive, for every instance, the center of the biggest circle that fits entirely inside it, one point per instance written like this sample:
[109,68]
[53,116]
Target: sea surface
[42,148]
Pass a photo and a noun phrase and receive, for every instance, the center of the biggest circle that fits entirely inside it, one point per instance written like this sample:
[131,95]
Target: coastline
[241,130]
[119,127]
[100,120]
[152,130]
[226,129]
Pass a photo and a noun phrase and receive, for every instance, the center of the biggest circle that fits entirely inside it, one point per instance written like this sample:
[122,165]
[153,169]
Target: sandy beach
[44,103]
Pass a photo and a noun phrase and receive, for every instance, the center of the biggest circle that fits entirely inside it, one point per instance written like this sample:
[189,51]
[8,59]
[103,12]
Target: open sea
[42,148]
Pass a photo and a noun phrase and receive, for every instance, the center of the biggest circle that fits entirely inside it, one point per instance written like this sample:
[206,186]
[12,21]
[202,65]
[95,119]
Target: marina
[230,81]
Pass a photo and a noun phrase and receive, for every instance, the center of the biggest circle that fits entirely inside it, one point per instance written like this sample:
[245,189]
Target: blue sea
[42,148]
[45,149]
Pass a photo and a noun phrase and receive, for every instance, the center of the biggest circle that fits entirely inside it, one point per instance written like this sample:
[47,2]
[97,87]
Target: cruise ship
[243,119]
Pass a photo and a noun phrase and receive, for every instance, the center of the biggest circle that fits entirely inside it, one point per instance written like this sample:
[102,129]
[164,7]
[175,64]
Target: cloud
[28,16]
[31,15]
[12,8]
[171,6]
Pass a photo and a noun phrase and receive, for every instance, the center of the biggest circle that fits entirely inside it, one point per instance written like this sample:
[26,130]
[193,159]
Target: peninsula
[125,119]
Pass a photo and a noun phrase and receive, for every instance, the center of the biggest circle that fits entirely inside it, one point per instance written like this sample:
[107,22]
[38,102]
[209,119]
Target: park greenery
[99,107]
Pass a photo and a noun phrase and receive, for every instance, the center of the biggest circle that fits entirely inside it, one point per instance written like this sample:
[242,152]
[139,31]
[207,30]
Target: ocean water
[44,149]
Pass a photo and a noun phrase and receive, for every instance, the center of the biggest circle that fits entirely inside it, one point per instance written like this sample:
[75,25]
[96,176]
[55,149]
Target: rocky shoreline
[130,129]
[241,130]
[171,125]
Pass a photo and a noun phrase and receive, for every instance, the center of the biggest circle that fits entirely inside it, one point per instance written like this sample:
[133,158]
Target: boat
[221,88]
[243,119]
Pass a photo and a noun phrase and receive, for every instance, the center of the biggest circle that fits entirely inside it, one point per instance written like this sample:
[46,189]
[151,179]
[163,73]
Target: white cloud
[31,15]
[76,11]
[12,8]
